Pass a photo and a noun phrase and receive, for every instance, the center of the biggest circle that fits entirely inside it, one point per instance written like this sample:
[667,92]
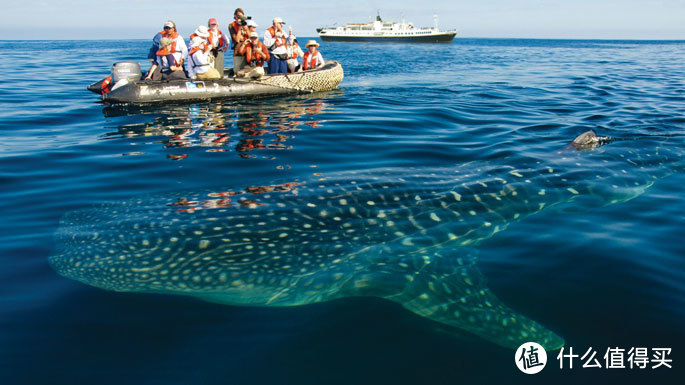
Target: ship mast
[435,21]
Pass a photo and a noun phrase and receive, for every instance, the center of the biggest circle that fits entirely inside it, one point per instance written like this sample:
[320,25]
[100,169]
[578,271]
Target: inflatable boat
[125,85]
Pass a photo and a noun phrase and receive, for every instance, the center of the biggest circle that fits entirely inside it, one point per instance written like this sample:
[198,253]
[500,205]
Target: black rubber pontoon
[149,92]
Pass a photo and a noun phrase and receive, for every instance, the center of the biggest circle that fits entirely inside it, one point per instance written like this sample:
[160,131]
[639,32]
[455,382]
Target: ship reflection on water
[240,128]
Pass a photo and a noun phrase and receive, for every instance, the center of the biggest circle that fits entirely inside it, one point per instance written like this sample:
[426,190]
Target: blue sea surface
[600,275]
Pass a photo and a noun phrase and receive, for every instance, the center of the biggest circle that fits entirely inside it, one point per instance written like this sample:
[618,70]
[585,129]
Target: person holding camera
[255,54]
[251,27]
[218,44]
[277,41]
[239,34]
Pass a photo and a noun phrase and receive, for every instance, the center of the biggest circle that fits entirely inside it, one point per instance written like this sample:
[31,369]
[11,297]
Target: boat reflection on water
[241,127]
[247,197]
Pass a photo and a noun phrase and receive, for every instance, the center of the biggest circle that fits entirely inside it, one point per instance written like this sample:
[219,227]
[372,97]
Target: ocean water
[602,272]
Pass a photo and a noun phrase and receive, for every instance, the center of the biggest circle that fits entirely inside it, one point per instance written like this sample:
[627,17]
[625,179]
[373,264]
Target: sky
[140,19]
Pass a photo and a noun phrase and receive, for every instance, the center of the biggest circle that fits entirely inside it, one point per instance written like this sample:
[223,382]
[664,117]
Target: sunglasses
[167,27]
[212,25]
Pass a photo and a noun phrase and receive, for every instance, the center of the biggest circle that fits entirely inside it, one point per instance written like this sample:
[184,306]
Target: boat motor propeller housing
[128,70]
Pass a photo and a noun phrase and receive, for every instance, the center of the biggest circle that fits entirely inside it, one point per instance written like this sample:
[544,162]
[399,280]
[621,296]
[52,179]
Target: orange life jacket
[280,41]
[219,36]
[205,46]
[294,55]
[307,63]
[234,27]
[251,55]
[237,30]
[173,35]
[171,48]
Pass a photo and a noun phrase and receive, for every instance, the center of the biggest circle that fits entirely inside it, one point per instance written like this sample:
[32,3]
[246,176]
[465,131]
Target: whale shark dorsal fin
[452,291]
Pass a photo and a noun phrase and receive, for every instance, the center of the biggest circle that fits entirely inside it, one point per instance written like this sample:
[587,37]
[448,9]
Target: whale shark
[408,235]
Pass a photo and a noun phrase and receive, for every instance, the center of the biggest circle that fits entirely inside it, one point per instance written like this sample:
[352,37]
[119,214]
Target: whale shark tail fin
[452,291]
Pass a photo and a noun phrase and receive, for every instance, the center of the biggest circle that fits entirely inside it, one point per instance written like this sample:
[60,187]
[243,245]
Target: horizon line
[457,38]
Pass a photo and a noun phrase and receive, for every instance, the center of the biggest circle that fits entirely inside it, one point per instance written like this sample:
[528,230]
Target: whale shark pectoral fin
[482,314]
[455,294]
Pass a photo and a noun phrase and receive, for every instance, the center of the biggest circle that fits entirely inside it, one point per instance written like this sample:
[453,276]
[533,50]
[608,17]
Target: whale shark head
[589,140]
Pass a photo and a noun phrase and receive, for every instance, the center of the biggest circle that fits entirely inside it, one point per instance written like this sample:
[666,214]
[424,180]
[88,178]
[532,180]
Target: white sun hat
[202,31]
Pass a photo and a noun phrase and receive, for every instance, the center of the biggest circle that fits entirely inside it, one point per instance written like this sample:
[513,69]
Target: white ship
[386,31]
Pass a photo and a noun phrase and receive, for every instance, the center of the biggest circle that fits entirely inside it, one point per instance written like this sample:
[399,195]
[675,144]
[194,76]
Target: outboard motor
[125,72]
[128,70]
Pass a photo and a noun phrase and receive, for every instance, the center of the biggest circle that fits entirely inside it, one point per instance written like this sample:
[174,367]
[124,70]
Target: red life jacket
[280,41]
[307,63]
[219,36]
[106,85]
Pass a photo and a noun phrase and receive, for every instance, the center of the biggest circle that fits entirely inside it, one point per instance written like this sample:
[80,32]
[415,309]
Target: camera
[244,19]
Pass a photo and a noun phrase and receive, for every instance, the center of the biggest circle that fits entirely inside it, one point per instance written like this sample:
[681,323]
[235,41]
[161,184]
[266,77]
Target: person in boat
[251,27]
[277,41]
[168,63]
[294,51]
[152,54]
[199,64]
[178,45]
[312,58]
[219,44]
[239,33]
[255,53]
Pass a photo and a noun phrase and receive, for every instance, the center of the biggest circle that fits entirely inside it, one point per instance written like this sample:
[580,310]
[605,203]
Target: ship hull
[437,38]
